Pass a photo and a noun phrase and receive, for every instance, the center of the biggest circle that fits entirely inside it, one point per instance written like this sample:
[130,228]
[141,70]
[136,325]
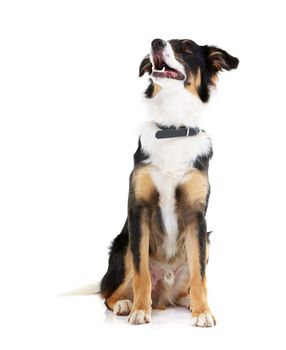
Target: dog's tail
[89,289]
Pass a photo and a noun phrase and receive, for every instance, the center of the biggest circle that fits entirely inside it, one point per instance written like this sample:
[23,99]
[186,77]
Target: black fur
[132,231]
[203,239]
[134,218]
[202,162]
[150,89]
[210,60]
[145,66]
[135,212]
[139,155]
[116,267]
[188,215]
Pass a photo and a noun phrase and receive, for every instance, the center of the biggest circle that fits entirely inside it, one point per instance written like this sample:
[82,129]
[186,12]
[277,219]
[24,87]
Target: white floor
[84,323]
[38,322]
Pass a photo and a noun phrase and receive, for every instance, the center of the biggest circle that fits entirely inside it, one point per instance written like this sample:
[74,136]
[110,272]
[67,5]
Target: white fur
[184,302]
[122,307]
[139,317]
[173,155]
[166,184]
[172,158]
[89,289]
[174,105]
[170,60]
[203,320]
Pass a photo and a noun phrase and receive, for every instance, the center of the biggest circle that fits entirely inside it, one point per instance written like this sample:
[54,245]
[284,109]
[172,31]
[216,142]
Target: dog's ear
[145,66]
[218,60]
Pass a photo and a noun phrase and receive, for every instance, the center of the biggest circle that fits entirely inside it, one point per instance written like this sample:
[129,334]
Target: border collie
[159,258]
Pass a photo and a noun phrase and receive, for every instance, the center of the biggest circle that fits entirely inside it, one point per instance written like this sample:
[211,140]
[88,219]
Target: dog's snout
[158,44]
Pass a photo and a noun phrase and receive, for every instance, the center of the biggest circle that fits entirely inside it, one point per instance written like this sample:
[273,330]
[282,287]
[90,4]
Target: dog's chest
[171,160]
[166,184]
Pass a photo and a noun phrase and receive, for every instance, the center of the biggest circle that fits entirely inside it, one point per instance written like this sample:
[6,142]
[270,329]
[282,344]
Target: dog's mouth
[160,69]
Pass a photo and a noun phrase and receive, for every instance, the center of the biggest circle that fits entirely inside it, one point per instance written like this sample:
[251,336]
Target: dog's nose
[158,44]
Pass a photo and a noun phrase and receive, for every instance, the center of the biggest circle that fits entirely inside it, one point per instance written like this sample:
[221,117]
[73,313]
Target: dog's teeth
[163,70]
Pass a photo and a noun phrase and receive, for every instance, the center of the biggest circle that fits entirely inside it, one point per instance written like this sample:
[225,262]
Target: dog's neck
[176,107]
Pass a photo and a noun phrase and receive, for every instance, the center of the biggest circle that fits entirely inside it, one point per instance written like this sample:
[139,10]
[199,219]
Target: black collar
[167,132]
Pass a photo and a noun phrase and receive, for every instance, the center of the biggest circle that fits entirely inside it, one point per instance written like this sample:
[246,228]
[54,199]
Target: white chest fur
[172,159]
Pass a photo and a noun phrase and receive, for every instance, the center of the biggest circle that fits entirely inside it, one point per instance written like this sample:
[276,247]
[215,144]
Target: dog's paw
[204,319]
[184,302]
[139,317]
[122,307]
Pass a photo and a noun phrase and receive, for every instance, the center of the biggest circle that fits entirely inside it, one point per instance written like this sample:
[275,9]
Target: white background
[71,105]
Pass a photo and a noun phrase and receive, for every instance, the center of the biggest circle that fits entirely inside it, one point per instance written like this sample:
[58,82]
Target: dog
[159,259]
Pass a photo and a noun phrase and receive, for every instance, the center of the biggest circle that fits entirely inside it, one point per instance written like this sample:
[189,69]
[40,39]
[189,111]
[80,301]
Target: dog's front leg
[196,245]
[139,244]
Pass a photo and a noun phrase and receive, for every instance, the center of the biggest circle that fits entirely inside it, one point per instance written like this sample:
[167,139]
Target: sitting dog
[159,258]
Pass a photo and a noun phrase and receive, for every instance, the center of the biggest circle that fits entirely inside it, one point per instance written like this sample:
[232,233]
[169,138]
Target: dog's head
[184,64]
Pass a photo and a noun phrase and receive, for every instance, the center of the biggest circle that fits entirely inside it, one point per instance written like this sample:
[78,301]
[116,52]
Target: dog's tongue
[170,74]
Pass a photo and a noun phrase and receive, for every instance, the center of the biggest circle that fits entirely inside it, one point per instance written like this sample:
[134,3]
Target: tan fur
[198,289]
[124,291]
[214,80]
[194,82]
[183,292]
[137,284]
[193,193]
[183,296]
[215,53]
[217,60]
[141,278]
[156,237]
[143,184]
[157,89]
[196,188]
[181,250]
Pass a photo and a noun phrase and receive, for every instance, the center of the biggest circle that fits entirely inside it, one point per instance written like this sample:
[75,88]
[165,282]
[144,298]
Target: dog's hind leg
[116,285]
[183,297]
[120,301]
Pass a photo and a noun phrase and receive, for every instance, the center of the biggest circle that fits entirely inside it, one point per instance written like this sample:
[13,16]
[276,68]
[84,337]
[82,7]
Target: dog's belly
[166,184]
[169,282]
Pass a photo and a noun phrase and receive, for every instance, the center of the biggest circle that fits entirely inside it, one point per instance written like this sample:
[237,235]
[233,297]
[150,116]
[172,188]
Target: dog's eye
[187,50]
[186,47]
